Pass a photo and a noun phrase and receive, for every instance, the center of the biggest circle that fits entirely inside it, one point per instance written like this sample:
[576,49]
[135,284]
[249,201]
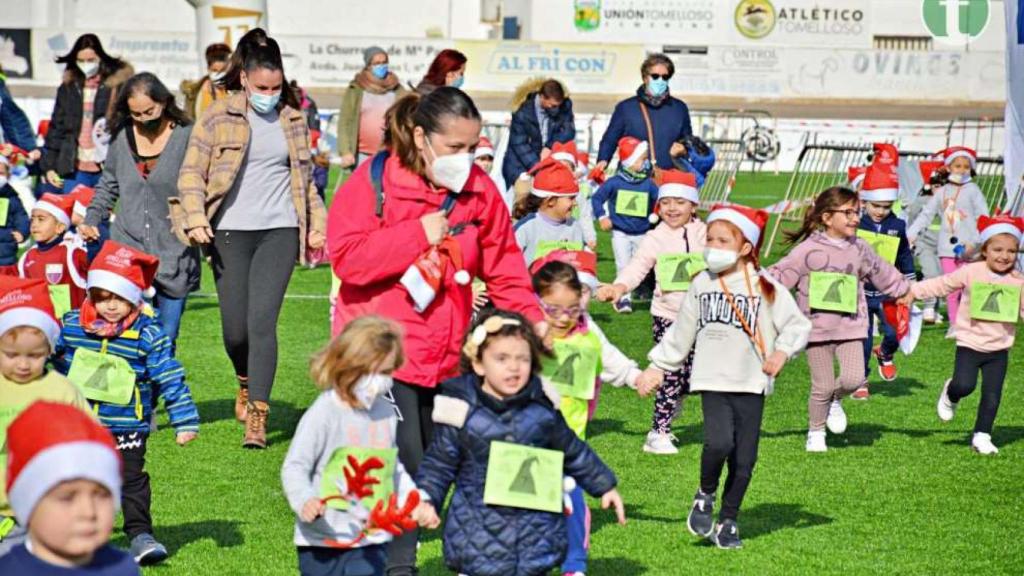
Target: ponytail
[429,112]
[767,288]
[830,199]
[526,205]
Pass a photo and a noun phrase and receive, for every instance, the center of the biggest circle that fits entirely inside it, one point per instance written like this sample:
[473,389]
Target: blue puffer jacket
[15,221]
[524,137]
[15,124]
[670,122]
[483,540]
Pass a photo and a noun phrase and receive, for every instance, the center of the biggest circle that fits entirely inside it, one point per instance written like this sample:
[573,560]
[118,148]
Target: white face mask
[451,171]
[959,177]
[718,259]
[89,68]
[370,387]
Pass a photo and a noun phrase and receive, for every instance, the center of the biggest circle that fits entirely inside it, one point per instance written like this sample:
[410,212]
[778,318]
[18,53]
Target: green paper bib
[576,365]
[631,203]
[675,272]
[103,377]
[884,245]
[524,477]
[995,302]
[833,292]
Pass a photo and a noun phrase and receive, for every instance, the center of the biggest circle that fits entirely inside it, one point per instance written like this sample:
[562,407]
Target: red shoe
[861,393]
[886,368]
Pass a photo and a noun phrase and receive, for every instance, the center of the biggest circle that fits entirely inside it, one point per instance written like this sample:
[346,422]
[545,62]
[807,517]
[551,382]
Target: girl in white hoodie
[742,327]
[674,250]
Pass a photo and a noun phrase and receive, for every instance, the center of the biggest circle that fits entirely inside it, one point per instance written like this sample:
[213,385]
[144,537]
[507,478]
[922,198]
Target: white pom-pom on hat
[462,278]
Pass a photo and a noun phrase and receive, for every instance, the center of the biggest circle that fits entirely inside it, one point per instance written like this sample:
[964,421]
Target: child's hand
[612,498]
[592,246]
[605,223]
[426,516]
[649,381]
[18,238]
[183,438]
[607,293]
[312,509]
[773,365]
[907,299]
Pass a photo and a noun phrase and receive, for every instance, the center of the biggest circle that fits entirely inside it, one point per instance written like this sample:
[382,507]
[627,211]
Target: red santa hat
[58,206]
[123,270]
[51,443]
[990,226]
[886,154]
[954,152]
[855,176]
[484,148]
[585,263]
[750,221]
[564,152]
[881,184]
[927,169]
[582,159]
[553,180]
[26,302]
[631,150]
[82,196]
[675,184]
[424,278]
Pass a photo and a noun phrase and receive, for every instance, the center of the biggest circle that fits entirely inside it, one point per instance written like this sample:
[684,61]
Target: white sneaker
[928,316]
[982,444]
[951,333]
[816,441]
[658,443]
[945,408]
[836,420]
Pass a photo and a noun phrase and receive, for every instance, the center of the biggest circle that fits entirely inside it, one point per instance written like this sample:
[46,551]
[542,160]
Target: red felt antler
[393,519]
[360,483]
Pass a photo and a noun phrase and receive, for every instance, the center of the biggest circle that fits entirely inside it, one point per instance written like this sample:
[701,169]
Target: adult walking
[78,134]
[447,69]
[542,116]
[372,91]
[653,115]
[140,177]
[246,191]
[375,248]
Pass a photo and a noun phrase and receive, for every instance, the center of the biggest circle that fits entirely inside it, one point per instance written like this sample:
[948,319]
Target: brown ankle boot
[241,400]
[256,425]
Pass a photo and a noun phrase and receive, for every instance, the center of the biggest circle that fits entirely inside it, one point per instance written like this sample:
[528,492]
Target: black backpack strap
[377,179]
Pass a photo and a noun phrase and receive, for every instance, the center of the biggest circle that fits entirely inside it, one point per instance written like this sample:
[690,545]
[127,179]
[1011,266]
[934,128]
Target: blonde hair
[359,350]
[11,336]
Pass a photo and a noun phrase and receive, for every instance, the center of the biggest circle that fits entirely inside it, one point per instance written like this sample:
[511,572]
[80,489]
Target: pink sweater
[980,335]
[663,240]
[821,253]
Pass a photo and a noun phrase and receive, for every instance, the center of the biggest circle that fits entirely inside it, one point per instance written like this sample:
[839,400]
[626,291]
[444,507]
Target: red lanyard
[755,336]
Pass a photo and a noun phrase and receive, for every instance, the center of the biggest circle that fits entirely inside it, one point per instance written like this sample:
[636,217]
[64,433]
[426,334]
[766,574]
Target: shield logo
[54,273]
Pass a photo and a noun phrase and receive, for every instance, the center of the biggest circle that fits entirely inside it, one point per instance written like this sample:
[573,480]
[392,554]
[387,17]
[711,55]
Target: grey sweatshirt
[329,424]
[958,209]
[536,228]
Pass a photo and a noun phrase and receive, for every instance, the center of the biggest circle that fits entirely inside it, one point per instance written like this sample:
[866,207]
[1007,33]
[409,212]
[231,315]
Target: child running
[630,195]
[985,323]
[958,204]
[886,233]
[117,353]
[927,245]
[348,432]
[583,359]
[545,215]
[501,440]
[674,250]
[742,328]
[828,267]
[61,264]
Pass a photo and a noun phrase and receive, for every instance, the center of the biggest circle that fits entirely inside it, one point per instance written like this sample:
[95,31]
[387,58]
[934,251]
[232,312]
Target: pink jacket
[821,253]
[663,240]
[370,255]
[980,335]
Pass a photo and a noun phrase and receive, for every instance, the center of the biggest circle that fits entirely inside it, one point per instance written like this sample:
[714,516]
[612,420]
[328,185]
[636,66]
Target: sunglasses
[661,76]
[556,311]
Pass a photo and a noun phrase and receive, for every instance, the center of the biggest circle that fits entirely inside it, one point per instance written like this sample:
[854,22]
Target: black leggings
[732,430]
[136,496]
[992,366]
[415,429]
[252,270]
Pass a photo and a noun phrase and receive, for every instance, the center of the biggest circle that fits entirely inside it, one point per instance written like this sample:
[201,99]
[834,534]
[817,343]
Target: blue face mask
[459,82]
[657,87]
[379,70]
[264,103]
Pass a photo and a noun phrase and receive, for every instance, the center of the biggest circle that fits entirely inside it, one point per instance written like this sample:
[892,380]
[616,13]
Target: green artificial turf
[898,493]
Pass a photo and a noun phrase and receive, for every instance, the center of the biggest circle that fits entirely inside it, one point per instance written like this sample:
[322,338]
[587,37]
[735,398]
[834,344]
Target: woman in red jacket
[429,141]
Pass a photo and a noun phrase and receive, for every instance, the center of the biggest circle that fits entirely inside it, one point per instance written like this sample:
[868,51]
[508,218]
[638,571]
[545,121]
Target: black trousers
[732,430]
[136,495]
[992,366]
[415,405]
[252,270]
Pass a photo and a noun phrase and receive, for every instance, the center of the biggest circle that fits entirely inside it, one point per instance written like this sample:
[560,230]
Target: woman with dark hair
[653,116]
[246,191]
[76,141]
[140,177]
[447,69]
[541,115]
[437,205]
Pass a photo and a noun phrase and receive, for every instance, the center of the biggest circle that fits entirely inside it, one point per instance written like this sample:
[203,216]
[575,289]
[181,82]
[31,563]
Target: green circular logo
[755,18]
[955,21]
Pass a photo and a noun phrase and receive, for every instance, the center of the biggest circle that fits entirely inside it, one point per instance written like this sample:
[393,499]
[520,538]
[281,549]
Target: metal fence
[729,154]
[982,134]
[822,165]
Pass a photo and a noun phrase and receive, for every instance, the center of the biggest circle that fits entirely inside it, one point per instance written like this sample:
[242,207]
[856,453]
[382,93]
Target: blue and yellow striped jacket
[148,351]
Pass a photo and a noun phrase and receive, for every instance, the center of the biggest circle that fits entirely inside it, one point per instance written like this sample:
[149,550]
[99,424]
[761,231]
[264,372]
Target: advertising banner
[838,23]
